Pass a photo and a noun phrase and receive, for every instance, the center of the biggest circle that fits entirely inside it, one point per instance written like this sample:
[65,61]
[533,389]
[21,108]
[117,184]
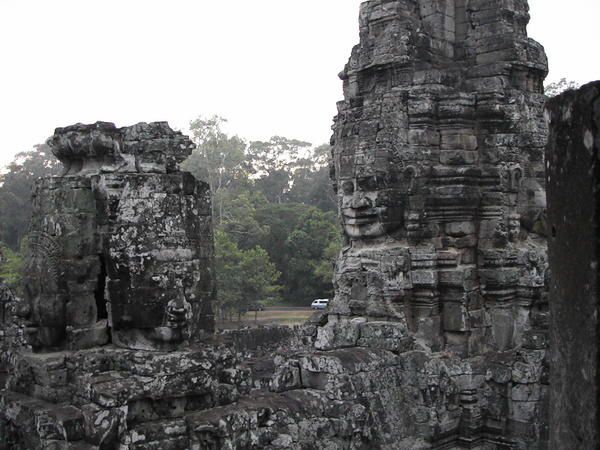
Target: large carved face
[372,194]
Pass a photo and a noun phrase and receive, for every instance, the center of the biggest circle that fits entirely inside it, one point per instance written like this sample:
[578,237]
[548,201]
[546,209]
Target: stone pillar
[121,244]
[438,167]
[573,180]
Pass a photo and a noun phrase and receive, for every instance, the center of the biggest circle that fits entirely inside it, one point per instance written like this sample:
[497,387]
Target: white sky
[269,66]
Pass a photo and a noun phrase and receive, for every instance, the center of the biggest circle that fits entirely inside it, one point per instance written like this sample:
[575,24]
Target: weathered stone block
[60,423]
[573,175]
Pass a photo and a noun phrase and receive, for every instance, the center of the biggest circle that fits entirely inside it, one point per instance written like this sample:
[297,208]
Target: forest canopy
[274,214]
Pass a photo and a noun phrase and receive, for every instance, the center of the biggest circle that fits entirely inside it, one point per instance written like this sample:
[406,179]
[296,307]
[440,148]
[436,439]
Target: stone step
[158,434]
[113,389]
[40,421]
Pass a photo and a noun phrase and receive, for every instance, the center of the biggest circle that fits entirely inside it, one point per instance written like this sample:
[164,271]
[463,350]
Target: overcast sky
[269,66]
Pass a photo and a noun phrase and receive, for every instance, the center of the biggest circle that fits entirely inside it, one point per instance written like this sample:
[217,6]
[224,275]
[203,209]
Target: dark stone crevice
[99,293]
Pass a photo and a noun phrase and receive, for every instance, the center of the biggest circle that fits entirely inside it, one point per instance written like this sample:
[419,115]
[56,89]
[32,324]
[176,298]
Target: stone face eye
[382,182]
[348,187]
[367,184]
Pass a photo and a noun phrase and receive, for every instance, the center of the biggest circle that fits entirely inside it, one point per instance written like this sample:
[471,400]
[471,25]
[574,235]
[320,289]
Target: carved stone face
[372,195]
[369,207]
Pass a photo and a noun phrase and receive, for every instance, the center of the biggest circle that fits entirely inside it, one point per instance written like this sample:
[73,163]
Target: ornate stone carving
[104,148]
[437,335]
[437,157]
[121,242]
[439,171]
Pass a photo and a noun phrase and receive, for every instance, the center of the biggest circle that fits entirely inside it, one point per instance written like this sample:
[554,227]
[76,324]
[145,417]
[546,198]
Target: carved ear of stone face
[531,205]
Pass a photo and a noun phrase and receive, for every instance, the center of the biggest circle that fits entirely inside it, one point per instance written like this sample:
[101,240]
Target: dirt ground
[270,316]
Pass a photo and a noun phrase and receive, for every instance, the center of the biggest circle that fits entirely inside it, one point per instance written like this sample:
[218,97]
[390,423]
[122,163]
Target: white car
[320,303]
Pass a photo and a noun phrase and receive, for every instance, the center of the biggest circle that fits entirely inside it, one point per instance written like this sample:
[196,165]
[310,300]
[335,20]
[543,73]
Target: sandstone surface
[438,332]
[573,176]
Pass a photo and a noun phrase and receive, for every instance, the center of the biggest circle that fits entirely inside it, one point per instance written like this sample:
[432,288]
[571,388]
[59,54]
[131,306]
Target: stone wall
[573,176]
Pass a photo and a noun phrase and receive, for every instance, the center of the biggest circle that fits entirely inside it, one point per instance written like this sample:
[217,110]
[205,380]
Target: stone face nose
[359,200]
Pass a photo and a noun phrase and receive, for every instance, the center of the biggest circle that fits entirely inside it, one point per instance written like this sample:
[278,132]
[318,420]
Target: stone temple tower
[439,171]
[121,244]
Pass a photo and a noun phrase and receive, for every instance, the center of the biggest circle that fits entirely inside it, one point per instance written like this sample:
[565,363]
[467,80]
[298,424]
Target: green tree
[15,191]
[311,183]
[281,219]
[244,277]
[239,218]
[11,267]
[306,247]
[259,277]
[273,164]
[272,202]
[227,261]
[219,160]
[325,267]
[557,87]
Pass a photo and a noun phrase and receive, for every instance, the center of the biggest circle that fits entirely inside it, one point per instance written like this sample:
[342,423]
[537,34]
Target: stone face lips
[573,175]
[122,242]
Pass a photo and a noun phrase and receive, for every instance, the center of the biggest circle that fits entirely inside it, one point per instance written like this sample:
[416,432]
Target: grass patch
[269,317]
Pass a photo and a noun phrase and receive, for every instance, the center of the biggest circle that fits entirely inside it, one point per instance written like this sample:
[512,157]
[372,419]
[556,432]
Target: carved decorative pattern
[43,246]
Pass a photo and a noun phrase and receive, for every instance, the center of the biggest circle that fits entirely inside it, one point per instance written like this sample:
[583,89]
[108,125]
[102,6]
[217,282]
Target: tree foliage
[276,233]
[15,192]
[272,201]
[306,246]
[11,267]
[219,160]
[560,86]
[244,277]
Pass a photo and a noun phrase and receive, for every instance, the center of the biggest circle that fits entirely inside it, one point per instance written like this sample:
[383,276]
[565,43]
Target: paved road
[287,308]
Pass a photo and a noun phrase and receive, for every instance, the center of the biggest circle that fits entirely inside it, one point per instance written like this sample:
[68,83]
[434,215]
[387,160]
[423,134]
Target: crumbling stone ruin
[438,165]
[120,244]
[6,303]
[439,169]
[573,175]
[437,334]
[120,263]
